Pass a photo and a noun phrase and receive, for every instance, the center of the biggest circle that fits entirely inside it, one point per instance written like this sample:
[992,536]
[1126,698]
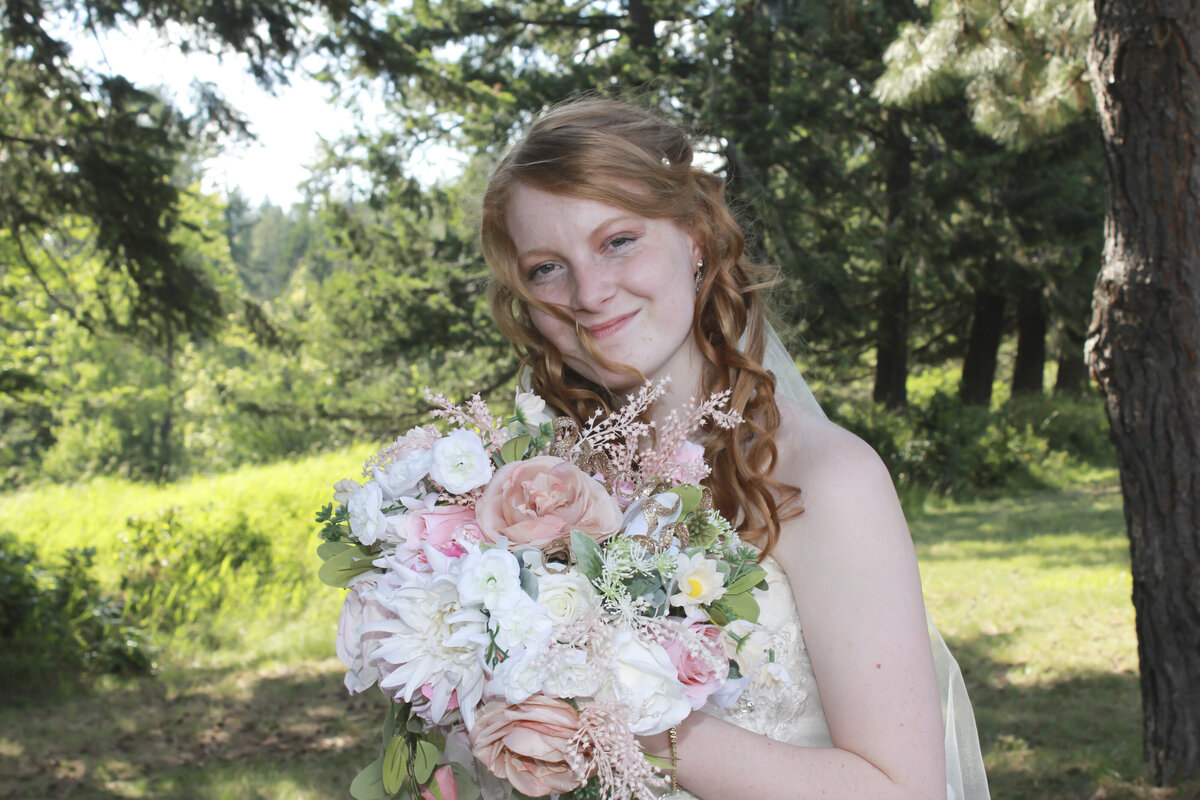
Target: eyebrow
[539,252]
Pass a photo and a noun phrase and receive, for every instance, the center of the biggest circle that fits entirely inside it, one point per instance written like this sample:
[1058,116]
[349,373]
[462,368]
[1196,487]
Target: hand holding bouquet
[532,596]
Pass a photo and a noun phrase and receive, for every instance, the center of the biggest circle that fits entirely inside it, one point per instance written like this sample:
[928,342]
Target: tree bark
[891,328]
[983,346]
[1144,345]
[1030,367]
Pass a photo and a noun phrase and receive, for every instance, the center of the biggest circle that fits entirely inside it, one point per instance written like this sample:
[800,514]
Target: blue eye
[617,242]
[541,271]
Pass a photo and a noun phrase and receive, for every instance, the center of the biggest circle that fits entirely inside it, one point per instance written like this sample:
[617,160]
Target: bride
[615,260]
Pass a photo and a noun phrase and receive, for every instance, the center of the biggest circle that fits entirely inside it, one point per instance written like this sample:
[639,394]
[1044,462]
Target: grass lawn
[1031,592]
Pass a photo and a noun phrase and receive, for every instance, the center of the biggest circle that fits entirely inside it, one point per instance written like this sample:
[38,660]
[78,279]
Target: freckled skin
[628,279]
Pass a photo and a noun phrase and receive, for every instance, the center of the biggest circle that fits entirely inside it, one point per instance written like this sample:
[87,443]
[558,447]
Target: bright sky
[288,124]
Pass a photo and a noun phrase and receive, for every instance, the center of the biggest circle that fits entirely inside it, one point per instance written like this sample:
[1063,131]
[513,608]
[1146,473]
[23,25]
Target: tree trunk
[891,329]
[983,345]
[1031,341]
[1144,345]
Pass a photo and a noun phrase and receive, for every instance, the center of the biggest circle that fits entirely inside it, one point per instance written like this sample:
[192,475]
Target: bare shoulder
[847,493]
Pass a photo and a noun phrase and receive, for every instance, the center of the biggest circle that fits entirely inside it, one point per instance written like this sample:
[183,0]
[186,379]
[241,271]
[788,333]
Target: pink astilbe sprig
[419,438]
[472,415]
[605,747]
[673,433]
[619,433]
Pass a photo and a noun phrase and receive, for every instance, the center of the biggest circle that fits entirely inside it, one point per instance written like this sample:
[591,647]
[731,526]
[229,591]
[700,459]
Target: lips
[612,326]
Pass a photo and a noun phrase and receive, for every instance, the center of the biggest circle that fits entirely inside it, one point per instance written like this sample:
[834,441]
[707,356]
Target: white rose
[401,477]
[460,463]
[491,578]
[565,596]
[522,626]
[569,674]
[367,522]
[531,410]
[519,676]
[645,680]
[343,489]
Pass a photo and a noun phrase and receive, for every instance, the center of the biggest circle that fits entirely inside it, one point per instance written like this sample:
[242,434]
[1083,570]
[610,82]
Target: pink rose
[525,744]
[443,527]
[687,464]
[447,785]
[536,501]
[701,672]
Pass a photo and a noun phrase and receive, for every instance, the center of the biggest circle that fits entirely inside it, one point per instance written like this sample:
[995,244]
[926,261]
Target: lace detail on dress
[781,701]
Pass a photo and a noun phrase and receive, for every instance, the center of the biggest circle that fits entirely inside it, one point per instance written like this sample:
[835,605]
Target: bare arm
[851,564]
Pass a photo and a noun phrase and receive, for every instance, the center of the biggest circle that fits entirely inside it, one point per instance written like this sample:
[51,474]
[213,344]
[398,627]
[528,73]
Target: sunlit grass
[1031,591]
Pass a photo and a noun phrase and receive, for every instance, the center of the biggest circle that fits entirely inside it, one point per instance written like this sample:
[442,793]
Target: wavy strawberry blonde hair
[623,156]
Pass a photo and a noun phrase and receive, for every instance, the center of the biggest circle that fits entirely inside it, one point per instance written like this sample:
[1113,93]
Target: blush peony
[526,743]
[536,501]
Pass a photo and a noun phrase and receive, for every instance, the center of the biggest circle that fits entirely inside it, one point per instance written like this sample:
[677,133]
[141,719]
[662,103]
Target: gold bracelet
[674,734]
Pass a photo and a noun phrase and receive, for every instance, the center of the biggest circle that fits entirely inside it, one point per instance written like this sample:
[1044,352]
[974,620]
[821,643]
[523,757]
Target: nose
[592,285]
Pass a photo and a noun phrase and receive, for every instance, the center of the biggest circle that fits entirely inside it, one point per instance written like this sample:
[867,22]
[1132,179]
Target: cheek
[555,330]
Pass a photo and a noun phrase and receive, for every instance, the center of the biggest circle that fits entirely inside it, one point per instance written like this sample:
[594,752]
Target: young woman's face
[629,280]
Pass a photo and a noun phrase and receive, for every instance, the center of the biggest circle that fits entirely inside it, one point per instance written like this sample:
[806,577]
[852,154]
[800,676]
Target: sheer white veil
[965,776]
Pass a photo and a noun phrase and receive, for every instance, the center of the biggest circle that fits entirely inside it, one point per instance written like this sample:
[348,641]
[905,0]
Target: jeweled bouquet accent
[532,595]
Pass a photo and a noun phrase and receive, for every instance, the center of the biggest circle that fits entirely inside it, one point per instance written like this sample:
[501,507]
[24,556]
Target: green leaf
[395,765]
[691,497]
[514,449]
[467,788]
[368,784]
[587,553]
[344,567]
[739,606]
[752,578]
[328,550]
[426,759]
[529,583]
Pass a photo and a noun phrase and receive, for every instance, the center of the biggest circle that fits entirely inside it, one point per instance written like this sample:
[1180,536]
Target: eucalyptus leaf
[644,586]
[529,583]
[426,759]
[328,550]
[514,449]
[587,554]
[691,497]
[752,578]
[368,783]
[395,765]
[342,568]
[467,788]
[739,606]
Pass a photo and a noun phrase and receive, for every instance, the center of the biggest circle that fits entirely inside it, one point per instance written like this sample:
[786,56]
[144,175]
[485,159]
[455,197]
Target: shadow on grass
[207,733]
[1081,527]
[1075,737]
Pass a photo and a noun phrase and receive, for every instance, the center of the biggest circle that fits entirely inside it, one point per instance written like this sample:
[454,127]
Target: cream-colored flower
[698,582]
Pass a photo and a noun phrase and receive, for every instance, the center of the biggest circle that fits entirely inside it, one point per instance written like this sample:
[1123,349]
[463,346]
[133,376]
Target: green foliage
[939,444]
[177,569]
[58,629]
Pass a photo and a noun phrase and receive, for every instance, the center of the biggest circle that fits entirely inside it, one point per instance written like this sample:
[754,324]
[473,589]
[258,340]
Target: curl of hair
[620,155]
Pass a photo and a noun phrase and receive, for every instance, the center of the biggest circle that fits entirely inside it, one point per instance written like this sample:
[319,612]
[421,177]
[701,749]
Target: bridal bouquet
[531,595]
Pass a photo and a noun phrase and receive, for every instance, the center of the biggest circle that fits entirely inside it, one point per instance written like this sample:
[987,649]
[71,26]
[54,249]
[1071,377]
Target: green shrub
[175,570]
[947,447]
[57,629]
[1072,424]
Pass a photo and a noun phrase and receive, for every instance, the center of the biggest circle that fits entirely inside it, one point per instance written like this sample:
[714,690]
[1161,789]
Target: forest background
[928,177]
